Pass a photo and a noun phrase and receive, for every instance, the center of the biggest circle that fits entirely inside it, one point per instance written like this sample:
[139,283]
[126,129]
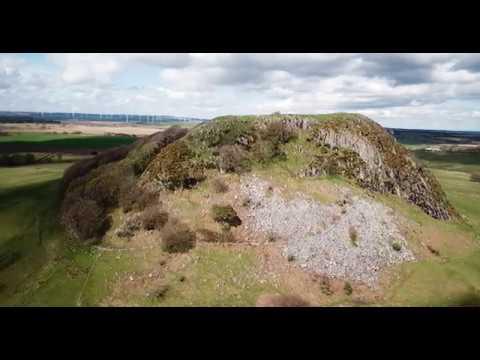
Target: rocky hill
[348,145]
[303,187]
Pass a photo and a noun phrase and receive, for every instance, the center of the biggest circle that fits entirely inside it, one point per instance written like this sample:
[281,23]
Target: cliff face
[378,162]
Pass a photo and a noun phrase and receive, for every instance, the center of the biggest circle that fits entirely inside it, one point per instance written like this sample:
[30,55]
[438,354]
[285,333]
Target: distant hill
[430,137]
[11,116]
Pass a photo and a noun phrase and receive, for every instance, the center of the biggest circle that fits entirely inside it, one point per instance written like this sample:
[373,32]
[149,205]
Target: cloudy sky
[436,91]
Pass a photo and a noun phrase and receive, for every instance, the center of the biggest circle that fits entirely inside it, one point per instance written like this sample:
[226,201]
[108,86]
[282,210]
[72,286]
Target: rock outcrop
[386,166]
[349,145]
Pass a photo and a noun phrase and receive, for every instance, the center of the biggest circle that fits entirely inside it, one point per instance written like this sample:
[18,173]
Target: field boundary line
[79,298]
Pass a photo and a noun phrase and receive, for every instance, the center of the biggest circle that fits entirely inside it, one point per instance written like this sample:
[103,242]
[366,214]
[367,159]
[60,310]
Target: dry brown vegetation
[153,218]
[232,158]
[206,235]
[106,181]
[85,220]
[177,238]
[219,186]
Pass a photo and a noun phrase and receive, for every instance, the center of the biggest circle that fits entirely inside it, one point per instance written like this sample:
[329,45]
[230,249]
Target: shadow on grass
[47,190]
[469,299]
[31,234]
[81,145]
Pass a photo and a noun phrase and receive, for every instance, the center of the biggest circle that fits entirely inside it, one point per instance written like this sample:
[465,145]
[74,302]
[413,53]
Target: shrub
[268,300]
[128,195]
[225,131]
[277,132]
[147,148]
[352,232]
[9,258]
[161,292]
[177,238]
[265,151]
[396,246]
[29,158]
[225,215]
[132,197]
[348,288]
[104,186]
[174,167]
[219,186]
[84,167]
[232,158]
[17,159]
[153,218]
[84,219]
[475,177]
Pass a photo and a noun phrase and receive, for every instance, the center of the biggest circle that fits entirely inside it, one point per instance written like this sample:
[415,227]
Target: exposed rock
[386,166]
[319,236]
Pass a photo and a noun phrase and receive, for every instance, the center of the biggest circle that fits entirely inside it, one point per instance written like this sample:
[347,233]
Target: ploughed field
[323,239]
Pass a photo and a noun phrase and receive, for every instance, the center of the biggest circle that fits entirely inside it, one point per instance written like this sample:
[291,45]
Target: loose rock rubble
[318,236]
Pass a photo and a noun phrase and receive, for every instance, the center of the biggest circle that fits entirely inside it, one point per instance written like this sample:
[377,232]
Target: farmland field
[65,143]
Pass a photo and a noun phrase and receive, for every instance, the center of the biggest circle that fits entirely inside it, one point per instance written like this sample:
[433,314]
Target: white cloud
[395,89]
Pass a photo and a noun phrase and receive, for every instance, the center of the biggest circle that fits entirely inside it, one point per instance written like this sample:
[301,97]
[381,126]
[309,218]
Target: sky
[419,91]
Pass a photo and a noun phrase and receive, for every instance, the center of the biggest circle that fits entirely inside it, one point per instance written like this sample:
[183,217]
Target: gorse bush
[103,186]
[225,215]
[175,167]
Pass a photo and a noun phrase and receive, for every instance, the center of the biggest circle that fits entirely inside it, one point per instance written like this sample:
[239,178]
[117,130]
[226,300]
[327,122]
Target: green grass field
[43,142]
[454,280]
[36,260]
